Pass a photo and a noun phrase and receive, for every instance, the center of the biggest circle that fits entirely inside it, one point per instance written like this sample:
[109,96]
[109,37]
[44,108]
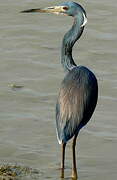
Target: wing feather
[75,103]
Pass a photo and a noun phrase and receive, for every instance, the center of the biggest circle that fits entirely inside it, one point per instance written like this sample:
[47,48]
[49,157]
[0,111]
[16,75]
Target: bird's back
[76,102]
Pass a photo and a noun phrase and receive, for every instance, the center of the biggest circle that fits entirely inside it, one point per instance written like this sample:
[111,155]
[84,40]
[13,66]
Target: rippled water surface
[29,56]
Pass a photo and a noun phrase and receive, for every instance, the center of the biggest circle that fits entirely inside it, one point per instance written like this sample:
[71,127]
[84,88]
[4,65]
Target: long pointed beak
[53,9]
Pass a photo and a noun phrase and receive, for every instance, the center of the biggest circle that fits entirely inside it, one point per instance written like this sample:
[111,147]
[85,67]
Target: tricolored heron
[79,90]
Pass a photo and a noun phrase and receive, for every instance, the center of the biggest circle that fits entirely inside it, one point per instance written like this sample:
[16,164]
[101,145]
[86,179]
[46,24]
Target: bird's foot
[74,175]
[62,173]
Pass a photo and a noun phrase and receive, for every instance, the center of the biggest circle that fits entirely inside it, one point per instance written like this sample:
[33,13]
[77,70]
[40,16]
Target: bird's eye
[65,8]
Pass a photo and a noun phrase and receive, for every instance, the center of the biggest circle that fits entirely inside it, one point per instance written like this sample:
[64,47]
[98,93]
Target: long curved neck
[68,41]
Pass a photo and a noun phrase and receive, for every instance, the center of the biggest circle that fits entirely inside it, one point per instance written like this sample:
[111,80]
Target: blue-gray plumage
[79,90]
[76,102]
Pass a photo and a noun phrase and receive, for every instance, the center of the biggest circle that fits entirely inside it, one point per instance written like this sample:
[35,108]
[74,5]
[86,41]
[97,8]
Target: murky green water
[29,56]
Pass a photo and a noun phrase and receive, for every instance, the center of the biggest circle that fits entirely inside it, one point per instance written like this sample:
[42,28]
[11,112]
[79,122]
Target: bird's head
[67,8]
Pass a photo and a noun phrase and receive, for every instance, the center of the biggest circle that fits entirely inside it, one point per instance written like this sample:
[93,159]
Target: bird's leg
[74,169]
[63,160]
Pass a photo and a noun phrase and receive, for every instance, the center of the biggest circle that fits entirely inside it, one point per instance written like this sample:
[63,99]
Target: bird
[78,93]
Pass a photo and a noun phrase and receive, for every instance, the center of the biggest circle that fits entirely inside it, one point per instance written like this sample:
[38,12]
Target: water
[29,56]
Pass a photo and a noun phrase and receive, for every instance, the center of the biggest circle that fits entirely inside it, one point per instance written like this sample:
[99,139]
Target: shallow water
[29,56]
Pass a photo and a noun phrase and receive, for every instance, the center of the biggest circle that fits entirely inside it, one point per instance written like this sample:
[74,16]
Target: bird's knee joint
[73,144]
